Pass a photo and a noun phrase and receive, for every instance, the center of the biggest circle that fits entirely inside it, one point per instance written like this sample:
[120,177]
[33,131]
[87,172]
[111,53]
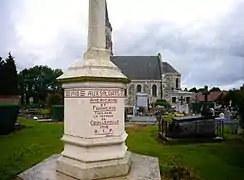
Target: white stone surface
[91,67]
[93,170]
[96,32]
[96,61]
[142,168]
[94,128]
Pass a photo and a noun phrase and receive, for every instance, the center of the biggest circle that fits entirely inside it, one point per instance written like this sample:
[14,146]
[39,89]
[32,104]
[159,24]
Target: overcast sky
[202,39]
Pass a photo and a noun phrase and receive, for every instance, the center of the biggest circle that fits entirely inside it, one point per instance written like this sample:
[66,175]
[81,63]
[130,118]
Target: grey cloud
[213,55]
[8,33]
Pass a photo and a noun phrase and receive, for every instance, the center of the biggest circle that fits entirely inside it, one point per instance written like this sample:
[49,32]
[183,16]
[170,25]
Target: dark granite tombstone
[192,127]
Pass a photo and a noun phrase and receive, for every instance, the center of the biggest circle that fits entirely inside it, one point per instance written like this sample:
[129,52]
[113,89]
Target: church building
[148,74]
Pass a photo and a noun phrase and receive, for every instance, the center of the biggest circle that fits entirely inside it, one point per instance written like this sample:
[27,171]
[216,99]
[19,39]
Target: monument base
[142,167]
[94,170]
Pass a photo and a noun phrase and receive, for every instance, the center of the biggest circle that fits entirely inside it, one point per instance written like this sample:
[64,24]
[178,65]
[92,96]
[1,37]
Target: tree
[215,89]
[38,82]
[201,90]
[8,76]
[185,89]
[193,90]
[237,98]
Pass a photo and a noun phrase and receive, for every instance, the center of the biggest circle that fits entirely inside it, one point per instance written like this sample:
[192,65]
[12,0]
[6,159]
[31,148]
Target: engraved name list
[104,105]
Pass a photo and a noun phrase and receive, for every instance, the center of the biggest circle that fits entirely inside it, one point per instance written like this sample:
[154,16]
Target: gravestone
[141,99]
[193,127]
[142,102]
[181,99]
[182,108]
[94,128]
[206,93]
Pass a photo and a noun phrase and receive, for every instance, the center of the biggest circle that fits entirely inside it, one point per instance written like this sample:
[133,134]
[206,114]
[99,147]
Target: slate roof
[167,68]
[142,67]
[139,67]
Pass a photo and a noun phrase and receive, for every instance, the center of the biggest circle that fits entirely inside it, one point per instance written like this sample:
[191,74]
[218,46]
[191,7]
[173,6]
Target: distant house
[214,96]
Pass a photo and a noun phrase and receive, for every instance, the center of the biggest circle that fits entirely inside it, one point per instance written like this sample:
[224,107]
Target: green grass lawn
[37,141]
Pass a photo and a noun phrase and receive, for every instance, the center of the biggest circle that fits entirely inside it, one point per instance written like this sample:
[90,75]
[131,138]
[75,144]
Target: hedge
[196,106]
[8,117]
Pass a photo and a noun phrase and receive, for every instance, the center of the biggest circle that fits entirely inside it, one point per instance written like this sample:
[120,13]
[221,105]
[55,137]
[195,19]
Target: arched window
[138,88]
[177,83]
[125,92]
[154,90]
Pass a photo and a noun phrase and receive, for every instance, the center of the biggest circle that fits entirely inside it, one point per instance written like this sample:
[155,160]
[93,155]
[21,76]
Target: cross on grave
[230,103]
[181,100]
[206,93]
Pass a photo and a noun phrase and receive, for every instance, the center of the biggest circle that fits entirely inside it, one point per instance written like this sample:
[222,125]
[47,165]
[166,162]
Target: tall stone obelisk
[94,133]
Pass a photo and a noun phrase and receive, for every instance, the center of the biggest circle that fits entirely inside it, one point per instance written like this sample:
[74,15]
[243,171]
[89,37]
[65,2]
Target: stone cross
[96,41]
[97,24]
[230,103]
[206,93]
[181,100]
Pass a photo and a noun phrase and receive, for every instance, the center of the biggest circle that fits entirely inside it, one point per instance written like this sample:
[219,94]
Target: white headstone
[142,99]
[221,115]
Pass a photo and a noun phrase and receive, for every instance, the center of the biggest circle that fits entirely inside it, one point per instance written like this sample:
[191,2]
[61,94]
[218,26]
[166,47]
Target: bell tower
[109,29]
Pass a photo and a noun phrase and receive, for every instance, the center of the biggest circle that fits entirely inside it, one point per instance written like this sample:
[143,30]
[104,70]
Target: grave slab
[142,168]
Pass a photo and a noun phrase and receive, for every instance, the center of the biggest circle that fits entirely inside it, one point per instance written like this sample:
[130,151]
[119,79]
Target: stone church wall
[171,81]
[146,86]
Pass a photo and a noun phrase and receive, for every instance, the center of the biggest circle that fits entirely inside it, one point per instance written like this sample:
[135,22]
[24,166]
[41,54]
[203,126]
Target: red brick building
[214,96]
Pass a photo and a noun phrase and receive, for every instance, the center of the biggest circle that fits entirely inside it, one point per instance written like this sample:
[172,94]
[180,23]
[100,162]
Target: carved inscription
[104,104]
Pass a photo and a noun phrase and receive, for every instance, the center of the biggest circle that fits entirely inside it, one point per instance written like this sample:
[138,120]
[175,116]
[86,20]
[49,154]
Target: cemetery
[77,127]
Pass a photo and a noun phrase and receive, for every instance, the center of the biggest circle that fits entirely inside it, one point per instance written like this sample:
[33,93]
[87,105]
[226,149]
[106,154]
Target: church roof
[139,67]
[142,67]
[167,68]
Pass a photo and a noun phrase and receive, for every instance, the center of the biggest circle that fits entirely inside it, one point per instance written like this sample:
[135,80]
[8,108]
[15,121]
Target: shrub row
[8,117]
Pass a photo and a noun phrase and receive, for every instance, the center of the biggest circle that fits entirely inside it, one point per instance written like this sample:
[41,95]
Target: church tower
[109,43]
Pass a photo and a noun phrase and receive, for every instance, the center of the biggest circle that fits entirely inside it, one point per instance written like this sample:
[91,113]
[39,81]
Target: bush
[169,117]
[240,105]
[8,117]
[196,106]
[57,113]
[44,112]
[162,102]
[177,171]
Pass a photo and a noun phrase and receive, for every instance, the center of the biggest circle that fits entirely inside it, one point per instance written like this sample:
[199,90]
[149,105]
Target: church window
[154,90]
[138,88]
[125,92]
[173,99]
[177,83]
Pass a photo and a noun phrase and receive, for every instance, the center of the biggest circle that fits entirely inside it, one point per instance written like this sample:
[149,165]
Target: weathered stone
[142,168]
[94,170]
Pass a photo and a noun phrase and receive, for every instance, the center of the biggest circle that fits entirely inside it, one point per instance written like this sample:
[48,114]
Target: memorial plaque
[103,110]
